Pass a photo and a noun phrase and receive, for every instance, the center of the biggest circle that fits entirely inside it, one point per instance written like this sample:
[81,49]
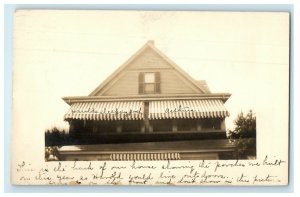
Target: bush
[244,135]
[56,137]
[51,153]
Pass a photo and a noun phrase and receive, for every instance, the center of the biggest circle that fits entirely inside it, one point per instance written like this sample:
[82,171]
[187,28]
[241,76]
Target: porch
[173,150]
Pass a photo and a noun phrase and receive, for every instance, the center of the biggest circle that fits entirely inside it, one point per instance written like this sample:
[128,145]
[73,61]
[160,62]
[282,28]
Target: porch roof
[125,110]
[134,110]
[205,108]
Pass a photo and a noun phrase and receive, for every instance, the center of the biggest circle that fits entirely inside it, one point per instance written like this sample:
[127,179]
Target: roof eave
[72,99]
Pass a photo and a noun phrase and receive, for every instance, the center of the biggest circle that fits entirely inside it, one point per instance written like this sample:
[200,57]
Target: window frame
[151,83]
[143,83]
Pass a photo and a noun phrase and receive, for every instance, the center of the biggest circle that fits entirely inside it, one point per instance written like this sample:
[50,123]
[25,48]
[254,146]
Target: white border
[295,75]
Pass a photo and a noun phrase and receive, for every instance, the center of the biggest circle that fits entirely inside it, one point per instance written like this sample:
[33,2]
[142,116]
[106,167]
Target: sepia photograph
[163,92]
[150,109]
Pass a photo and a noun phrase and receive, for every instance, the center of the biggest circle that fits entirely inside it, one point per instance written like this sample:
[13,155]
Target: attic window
[149,83]
[149,78]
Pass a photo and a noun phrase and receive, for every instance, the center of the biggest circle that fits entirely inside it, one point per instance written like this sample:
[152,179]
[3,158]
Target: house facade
[149,99]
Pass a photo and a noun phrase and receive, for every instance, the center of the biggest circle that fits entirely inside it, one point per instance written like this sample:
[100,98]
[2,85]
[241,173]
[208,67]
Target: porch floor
[170,146]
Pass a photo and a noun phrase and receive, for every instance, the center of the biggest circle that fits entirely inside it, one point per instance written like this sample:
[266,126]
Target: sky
[69,53]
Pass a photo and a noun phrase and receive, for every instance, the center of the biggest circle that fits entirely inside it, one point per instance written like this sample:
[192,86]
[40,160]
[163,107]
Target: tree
[244,135]
[56,137]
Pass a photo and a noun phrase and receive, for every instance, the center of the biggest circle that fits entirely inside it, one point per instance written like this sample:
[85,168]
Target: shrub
[51,153]
[244,135]
[56,137]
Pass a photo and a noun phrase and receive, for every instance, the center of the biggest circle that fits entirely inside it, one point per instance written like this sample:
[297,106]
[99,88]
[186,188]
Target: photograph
[150,97]
[150,109]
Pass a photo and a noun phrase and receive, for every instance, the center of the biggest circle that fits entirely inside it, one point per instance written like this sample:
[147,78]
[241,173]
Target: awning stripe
[204,108]
[134,110]
[144,156]
[131,110]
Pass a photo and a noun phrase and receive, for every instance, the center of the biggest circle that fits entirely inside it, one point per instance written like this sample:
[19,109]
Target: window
[149,83]
[149,78]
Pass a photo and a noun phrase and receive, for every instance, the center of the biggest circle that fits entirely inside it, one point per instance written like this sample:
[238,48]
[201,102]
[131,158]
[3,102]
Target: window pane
[149,78]
[149,88]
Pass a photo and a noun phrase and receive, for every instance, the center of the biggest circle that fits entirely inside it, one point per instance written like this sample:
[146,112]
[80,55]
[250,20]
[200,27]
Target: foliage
[244,135]
[56,137]
[51,153]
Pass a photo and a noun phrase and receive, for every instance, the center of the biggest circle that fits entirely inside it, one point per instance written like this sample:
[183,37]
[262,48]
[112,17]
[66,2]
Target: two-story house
[148,109]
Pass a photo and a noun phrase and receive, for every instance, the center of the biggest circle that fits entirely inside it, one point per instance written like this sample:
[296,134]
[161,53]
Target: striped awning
[144,156]
[204,108]
[134,110]
[119,110]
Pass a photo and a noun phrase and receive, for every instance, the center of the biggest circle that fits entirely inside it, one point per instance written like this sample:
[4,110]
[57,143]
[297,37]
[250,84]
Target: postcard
[150,98]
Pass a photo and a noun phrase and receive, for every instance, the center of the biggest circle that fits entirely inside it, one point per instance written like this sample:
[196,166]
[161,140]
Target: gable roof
[150,44]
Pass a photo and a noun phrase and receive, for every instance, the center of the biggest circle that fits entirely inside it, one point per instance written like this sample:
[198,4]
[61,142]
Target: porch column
[95,127]
[147,126]
[150,128]
[174,126]
[119,127]
[72,128]
[143,128]
[199,125]
[84,123]
[223,126]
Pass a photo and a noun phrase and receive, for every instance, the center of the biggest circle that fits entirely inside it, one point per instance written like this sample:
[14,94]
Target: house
[148,109]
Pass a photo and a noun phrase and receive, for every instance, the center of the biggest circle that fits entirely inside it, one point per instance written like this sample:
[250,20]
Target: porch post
[119,127]
[71,128]
[174,125]
[150,127]
[143,127]
[223,126]
[199,125]
[147,126]
[95,127]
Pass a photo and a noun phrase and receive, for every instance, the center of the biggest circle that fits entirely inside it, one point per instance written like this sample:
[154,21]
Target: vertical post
[119,127]
[94,127]
[146,118]
[223,126]
[71,129]
[174,125]
[199,125]
[143,127]
[150,127]
[84,123]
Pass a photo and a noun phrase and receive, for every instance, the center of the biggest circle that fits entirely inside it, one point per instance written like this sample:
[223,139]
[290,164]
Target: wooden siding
[172,83]
[127,82]
[149,59]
